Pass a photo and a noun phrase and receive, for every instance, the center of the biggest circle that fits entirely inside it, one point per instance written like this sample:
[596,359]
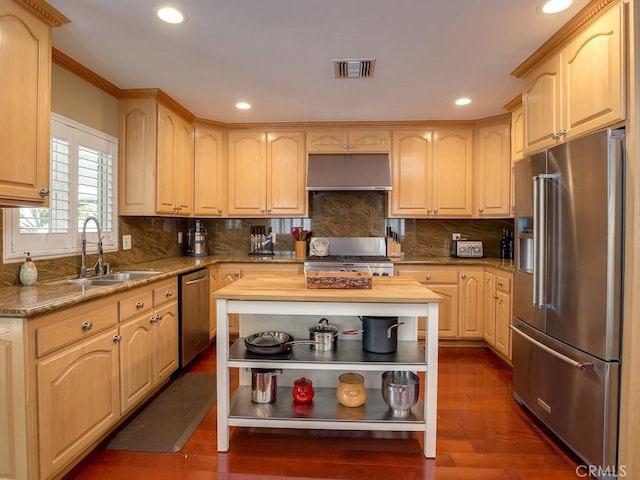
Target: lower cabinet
[92,363]
[230,272]
[497,311]
[471,299]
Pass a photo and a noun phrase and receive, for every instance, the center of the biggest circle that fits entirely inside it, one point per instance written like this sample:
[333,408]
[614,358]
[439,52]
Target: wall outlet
[179,237]
[456,236]
[126,242]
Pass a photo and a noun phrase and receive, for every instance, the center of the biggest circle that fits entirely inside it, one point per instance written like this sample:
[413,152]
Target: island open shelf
[283,302]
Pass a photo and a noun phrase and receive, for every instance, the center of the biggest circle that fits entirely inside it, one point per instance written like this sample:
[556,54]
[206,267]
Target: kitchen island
[284,303]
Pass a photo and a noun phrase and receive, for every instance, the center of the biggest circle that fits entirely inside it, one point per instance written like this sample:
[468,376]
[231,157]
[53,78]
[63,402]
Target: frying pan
[272,343]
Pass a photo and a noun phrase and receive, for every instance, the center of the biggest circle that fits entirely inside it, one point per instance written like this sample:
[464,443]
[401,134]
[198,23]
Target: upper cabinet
[266,174]
[210,171]
[156,169]
[348,141]
[493,171]
[517,133]
[432,173]
[25,77]
[579,88]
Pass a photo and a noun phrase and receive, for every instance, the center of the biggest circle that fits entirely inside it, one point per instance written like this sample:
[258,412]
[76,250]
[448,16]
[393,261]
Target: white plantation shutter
[83,183]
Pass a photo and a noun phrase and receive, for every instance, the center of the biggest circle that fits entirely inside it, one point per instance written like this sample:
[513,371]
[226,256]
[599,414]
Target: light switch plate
[456,236]
[126,242]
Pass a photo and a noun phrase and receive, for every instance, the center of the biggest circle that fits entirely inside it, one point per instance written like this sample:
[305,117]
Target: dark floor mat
[170,419]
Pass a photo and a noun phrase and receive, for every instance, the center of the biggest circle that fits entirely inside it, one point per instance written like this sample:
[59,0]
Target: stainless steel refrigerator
[567,309]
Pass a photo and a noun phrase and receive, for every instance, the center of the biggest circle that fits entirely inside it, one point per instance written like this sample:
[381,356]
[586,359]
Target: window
[83,184]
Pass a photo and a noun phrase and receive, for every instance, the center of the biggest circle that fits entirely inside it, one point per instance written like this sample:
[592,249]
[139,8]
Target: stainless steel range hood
[357,171]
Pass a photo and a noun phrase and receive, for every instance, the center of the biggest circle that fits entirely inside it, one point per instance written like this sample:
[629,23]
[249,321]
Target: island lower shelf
[323,412]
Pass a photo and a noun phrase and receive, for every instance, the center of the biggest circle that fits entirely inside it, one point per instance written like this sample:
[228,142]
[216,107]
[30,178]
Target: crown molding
[574,26]
[350,124]
[161,97]
[44,12]
[68,63]
[514,103]
[502,118]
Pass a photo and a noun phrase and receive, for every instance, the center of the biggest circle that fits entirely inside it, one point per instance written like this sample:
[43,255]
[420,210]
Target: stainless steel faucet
[98,266]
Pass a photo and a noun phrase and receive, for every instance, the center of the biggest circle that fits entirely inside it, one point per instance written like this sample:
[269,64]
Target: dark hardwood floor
[482,434]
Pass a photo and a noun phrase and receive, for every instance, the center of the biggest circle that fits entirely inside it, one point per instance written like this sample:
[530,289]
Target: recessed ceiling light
[171,15]
[463,101]
[243,105]
[555,6]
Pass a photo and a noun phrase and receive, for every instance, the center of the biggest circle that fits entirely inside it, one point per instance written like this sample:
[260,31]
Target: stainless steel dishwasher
[194,314]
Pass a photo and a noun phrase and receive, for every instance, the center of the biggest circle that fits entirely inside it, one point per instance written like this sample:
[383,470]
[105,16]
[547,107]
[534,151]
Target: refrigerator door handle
[580,366]
[538,239]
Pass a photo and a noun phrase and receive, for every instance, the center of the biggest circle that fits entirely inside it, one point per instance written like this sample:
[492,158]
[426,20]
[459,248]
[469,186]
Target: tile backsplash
[332,214]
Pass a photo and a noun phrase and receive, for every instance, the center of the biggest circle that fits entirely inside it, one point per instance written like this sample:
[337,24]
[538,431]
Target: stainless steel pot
[324,336]
[400,391]
[380,334]
[264,385]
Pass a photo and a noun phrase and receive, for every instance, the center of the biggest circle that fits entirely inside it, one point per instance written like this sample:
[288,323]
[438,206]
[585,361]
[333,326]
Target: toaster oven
[467,248]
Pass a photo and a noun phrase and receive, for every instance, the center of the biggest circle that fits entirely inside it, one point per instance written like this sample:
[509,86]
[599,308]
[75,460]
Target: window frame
[72,244]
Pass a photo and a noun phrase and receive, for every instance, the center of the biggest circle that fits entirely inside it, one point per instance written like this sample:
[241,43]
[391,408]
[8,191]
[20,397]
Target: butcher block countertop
[293,288]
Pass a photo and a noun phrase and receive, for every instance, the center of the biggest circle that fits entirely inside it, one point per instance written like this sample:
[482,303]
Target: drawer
[430,276]
[74,324]
[165,292]
[139,302]
[503,283]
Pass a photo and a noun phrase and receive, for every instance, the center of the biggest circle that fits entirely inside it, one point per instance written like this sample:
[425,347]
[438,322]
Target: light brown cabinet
[148,340]
[348,141]
[210,172]
[267,174]
[471,302]
[432,173]
[444,282]
[77,381]
[25,77]
[493,171]
[230,272]
[156,165]
[497,311]
[579,88]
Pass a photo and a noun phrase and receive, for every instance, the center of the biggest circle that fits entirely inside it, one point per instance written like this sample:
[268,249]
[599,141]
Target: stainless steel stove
[354,254]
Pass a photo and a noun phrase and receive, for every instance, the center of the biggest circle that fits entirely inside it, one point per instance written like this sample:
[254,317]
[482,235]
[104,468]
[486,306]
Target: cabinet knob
[168,293]
[480,210]
[495,296]
[87,325]
[345,146]
[463,276]
[428,277]
[429,211]
[350,146]
[117,338]
[563,132]
[500,283]
[268,210]
[219,210]
[43,192]
[153,319]
[435,210]
[236,274]
[139,305]
[262,210]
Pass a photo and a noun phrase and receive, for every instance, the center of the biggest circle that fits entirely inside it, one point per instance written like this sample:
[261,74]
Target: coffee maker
[197,241]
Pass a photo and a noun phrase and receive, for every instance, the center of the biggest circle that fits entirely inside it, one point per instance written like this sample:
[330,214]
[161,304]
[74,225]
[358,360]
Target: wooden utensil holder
[301,249]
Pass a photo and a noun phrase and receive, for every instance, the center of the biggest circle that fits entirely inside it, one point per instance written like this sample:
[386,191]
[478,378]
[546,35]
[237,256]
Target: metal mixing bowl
[400,391]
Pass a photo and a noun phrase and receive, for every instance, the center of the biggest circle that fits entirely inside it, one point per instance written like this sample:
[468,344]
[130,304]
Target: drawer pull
[139,305]
[500,283]
[168,293]
[117,338]
[153,319]
[87,325]
[428,277]
[463,276]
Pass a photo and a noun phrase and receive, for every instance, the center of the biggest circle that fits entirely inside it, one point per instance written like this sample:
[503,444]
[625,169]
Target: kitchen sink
[109,278]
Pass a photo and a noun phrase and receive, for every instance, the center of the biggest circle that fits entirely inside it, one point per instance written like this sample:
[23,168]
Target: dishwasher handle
[198,280]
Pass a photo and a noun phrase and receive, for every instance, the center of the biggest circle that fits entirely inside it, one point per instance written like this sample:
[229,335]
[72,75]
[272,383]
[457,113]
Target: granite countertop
[41,298]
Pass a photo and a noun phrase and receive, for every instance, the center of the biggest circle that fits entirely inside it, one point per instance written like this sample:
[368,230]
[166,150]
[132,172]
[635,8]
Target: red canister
[302,390]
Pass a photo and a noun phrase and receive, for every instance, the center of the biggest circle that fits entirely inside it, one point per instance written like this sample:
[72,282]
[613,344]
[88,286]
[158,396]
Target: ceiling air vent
[354,68]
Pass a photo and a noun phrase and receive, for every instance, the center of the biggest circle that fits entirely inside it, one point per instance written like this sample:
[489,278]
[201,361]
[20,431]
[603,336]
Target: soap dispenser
[28,271]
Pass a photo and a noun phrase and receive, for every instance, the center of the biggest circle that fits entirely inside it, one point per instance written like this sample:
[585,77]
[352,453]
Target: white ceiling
[277,54]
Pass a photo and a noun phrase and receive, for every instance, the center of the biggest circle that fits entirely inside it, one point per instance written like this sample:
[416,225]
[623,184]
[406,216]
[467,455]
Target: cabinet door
[183,168]
[25,78]
[369,140]
[165,341]
[136,359]
[594,87]
[210,195]
[541,102]
[471,303]
[493,171]
[166,159]
[448,313]
[137,157]
[78,400]
[503,319]
[247,174]
[327,141]
[452,173]
[411,164]
[489,308]
[286,174]
[517,134]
